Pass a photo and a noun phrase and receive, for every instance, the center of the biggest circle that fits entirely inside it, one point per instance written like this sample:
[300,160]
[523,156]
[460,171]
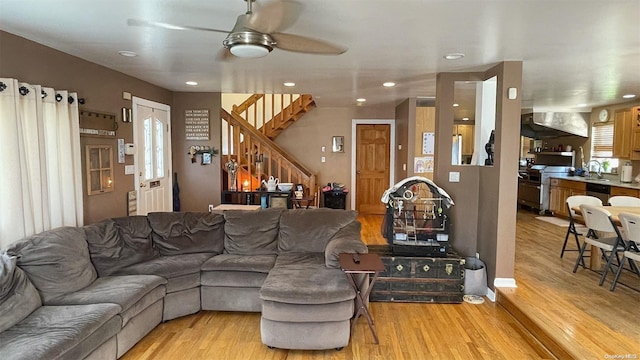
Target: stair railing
[259,156]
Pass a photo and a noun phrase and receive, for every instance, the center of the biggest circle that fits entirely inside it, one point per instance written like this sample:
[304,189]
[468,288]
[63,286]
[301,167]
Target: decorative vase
[232,168]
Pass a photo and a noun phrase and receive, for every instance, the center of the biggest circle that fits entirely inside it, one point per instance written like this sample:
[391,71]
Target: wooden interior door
[372,167]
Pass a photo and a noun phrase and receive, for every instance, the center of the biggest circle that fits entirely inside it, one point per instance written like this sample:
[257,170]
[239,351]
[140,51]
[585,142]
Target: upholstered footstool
[306,305]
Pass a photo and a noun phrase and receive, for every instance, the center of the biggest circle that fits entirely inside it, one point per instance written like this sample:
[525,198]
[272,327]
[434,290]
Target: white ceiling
[573,51]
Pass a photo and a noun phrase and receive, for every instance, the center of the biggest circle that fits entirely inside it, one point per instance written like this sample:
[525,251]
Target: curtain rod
[23,90]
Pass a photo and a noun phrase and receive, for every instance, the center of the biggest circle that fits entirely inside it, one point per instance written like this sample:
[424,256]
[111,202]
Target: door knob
[358,171]
[143,185]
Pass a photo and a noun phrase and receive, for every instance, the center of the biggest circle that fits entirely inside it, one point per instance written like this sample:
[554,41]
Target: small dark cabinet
[335,200]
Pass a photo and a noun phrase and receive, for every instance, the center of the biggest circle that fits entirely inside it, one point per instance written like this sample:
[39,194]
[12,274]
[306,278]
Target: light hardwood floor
[553,298]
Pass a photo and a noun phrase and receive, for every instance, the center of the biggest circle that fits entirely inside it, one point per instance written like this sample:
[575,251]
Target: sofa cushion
[56,261]
[299,278]
[187,232]
[251,232]
[309,230]
[167,266]
[119,242]
[60,332]
[18,296]
[231,262]
[232,279]
[126,291]
[346,240]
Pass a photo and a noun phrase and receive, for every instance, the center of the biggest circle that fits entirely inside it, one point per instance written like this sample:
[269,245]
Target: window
[602,147]
[99,169]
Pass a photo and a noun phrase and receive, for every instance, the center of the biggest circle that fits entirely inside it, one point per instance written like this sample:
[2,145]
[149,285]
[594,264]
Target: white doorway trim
[392,153]
[135,101]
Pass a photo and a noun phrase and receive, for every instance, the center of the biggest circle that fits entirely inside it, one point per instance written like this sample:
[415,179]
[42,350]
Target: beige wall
[484,217]
[102,90]
[405,114]
[199,184]
[305,139]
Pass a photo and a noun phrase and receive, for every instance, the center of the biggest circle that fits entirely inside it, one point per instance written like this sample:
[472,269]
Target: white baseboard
[491,295]
[505,282]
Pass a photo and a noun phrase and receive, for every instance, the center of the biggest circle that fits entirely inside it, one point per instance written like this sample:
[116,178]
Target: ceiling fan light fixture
[247,44]
[249,51]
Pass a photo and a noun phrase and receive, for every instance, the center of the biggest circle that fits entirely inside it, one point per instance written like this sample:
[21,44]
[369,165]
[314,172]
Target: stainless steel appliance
[601,191]
[534,185]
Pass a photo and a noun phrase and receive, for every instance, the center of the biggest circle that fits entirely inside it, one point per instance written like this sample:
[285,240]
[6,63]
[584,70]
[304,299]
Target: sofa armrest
[346,240]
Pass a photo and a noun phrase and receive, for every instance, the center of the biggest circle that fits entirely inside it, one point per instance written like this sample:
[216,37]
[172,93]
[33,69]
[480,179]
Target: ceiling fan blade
[274,16]
[147,23]
[303,44]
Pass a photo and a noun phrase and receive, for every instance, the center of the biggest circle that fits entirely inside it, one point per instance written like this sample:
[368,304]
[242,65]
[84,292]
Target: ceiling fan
[257,33]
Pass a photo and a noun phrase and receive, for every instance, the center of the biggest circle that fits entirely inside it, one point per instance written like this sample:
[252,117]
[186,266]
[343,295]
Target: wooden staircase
[261,111]
[250,130]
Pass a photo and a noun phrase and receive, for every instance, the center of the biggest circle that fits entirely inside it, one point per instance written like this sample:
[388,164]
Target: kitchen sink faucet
[599,172]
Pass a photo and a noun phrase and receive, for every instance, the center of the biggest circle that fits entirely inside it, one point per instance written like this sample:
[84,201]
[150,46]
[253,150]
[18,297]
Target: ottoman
[305,305]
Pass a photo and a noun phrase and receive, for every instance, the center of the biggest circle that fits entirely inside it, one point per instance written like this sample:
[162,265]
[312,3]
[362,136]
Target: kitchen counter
[610,182]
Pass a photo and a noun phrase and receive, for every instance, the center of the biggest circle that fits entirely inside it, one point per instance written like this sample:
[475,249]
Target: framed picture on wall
[206,158]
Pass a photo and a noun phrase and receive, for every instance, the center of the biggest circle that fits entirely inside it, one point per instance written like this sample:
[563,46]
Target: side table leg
[362,307]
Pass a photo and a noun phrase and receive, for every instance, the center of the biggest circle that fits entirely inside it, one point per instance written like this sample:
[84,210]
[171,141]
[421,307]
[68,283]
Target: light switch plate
[454,176]
[129,169]
[323,159]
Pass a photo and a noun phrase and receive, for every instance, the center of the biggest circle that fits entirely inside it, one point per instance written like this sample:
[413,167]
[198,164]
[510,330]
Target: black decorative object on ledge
[2,86]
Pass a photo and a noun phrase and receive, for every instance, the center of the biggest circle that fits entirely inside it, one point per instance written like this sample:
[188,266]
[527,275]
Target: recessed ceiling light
[465,118]
[289,84]
[456,105]
[192,83]
[361,100]
[629,96]
[389,84]
[454,56]
[127,53]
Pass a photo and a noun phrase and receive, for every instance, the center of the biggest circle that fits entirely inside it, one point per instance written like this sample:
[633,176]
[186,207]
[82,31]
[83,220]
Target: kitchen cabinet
[635,137]
[622,134]
[622,191]
[467,132]
[560,191]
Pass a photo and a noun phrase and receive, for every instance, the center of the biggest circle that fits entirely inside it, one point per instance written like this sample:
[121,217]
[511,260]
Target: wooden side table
[368,264]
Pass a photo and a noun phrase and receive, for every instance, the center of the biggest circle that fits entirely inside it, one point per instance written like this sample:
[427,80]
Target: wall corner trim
[505,283]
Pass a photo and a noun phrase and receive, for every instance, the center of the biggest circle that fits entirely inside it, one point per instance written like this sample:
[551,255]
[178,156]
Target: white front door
[152,137]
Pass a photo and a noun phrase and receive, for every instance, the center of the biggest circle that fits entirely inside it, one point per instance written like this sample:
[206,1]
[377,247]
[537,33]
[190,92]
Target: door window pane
[159,144]
[148,147]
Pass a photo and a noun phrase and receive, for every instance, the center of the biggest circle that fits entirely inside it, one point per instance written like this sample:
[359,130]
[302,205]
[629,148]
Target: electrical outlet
[323,159]
[477,255]
[210,207]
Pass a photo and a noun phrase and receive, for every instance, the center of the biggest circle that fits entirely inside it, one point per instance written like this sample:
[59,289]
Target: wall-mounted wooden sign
[196,124]
[98,124]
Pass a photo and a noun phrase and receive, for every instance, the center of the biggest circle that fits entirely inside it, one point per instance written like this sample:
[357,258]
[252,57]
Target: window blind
[602,141]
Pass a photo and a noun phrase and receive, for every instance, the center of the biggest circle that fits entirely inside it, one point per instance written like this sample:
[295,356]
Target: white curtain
[40,169]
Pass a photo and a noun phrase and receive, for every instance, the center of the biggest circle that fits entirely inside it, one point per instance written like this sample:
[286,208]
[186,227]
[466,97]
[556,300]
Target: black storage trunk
[418,279]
